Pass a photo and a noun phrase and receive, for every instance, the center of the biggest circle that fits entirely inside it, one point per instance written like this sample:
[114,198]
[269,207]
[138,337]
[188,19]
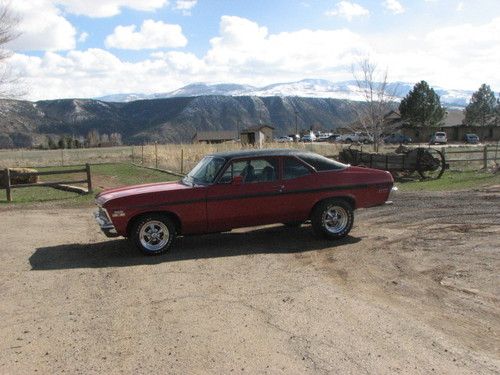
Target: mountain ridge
[176,119]
[315,88]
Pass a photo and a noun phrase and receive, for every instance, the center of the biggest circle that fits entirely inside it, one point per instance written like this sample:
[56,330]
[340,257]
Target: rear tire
[153,234]
[332,219]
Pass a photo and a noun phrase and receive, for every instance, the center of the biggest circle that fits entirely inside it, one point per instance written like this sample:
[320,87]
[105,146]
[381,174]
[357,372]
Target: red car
[242,189]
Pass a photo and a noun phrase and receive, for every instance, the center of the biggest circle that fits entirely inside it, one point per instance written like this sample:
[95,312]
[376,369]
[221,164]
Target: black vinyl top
[318,162]
[258,153]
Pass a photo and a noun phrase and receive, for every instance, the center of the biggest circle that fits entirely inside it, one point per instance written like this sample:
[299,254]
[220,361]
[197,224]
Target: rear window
[441,134]
[320,163]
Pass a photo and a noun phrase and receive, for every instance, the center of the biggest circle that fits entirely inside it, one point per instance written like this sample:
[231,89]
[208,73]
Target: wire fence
[180,158]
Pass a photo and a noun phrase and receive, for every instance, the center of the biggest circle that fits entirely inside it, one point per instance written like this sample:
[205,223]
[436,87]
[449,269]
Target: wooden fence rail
[9,186]
[482,154]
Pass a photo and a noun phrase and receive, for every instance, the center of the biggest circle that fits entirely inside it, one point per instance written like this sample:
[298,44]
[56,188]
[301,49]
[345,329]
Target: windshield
[205,171]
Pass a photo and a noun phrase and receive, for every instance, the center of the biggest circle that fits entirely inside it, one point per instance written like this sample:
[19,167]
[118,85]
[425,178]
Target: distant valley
[176,116]
[164,120]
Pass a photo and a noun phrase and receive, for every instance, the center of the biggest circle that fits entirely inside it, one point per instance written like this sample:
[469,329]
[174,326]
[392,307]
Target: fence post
[62,157]
[133,161]
[142,154]
[485,157]
[182,160]
[156,155]
[7,186]
[89,178]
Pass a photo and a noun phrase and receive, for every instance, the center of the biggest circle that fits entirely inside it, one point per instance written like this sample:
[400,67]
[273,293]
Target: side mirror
[237,180]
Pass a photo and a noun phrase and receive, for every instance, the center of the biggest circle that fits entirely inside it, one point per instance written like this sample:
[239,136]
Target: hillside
[175,119]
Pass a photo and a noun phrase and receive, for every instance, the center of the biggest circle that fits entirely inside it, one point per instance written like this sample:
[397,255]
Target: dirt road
[414,289]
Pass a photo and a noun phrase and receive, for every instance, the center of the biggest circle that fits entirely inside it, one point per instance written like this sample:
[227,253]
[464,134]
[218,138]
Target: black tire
[153,234]
[325,225]
[293,224]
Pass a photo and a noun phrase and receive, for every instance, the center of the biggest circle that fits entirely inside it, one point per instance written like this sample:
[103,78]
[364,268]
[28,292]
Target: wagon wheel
[430,163]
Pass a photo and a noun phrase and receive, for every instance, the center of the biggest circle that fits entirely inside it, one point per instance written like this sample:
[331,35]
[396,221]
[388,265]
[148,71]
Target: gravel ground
[414,289]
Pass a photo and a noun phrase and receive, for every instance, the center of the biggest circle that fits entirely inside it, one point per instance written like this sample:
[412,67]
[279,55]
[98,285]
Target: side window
[252,170]
[292,168]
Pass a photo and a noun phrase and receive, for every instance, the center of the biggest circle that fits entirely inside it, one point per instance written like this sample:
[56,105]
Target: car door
[247,193]
[299,189]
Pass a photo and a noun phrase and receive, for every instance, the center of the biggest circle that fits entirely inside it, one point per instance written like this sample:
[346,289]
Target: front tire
[153,234]
[332,219]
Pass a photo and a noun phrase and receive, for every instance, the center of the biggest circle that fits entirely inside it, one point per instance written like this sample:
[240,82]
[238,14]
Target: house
[257,135]
[454,127]
[218,136]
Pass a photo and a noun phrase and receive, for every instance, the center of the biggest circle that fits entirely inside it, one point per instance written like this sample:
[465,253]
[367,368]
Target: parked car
[308,138]
[323,137]
[356,137]
[397,138]
[284,139]
[333,138]
[438,137]
[240,189]
[471,138]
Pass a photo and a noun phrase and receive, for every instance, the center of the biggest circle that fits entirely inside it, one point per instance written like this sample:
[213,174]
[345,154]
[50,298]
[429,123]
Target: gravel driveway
[414,289]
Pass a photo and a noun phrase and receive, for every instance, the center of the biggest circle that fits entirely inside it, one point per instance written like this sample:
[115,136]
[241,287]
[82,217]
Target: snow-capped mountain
[309,88]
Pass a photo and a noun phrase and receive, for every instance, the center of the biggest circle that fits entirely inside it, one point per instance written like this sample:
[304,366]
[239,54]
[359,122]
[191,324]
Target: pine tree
[52,145]
[481,108]
[422,107]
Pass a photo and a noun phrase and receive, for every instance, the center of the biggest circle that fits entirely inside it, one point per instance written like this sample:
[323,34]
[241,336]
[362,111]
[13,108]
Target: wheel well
[349,200]
[170,215]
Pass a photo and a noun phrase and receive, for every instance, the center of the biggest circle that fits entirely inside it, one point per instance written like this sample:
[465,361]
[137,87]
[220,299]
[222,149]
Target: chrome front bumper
[107,227]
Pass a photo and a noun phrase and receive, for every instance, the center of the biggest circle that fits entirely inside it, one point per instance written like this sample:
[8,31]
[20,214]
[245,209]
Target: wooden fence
[57,184]
[479,154]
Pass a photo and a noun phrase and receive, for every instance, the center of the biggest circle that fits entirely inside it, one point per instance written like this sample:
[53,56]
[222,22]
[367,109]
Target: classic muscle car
[242,189]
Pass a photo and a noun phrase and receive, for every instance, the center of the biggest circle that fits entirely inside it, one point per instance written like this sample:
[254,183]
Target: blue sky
[88,48]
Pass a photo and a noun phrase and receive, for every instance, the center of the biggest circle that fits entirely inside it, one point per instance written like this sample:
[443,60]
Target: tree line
[422,107]
[92,139]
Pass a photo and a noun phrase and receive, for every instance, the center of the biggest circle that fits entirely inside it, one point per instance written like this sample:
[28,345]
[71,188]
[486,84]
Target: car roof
[261,153]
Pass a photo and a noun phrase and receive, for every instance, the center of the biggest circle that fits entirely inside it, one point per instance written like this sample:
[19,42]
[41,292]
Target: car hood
[128,191]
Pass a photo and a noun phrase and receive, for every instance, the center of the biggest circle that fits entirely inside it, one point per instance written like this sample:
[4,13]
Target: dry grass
[37,158]
[169,155]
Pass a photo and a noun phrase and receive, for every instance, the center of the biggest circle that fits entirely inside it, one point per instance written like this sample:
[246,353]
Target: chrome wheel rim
[154,235]
[335,219]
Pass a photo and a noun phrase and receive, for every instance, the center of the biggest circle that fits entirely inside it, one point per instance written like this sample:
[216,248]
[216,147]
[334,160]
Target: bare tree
[8,32]
[378,100]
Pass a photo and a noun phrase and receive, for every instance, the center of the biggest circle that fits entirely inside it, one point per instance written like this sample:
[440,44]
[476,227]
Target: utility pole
[296,125]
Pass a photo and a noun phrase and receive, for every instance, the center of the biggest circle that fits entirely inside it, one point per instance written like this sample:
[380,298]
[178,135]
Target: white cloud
[108,8]
[246,49]
[185,5]
[348,10]
[393,6]
[462,56]
[83,37]
[152,34]
[460,6]
[42,27]
[243,52]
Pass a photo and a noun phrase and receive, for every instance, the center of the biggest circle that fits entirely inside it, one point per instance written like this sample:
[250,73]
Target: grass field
[453,180]
[104,176]
[183,157]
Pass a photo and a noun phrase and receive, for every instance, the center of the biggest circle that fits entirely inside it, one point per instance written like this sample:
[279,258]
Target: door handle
[280,188]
